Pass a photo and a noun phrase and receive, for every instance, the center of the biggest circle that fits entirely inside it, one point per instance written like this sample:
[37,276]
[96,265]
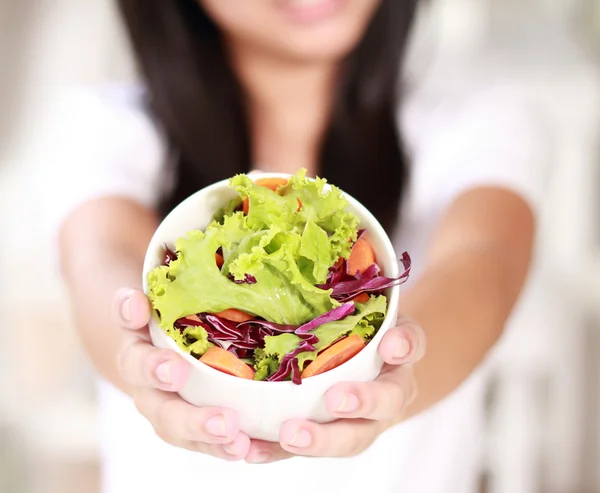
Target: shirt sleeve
[102,144]
[496,137]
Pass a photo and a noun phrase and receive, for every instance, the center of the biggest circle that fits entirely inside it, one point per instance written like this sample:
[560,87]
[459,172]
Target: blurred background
[544,413]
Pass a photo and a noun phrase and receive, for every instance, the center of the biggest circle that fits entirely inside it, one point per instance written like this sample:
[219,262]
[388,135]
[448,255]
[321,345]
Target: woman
[279,85]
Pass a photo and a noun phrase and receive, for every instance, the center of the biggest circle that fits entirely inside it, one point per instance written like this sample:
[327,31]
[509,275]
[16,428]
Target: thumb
[131,308]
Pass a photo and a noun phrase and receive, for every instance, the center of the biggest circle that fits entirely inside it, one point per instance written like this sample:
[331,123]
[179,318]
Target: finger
[143,365]
[404,344]
[343,438]
[234,451]
[262,452]
[131,308]
[383,399]
[238,449]
[175,418]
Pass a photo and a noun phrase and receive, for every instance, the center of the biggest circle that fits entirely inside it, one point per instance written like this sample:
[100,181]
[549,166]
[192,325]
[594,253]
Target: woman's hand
[364,410]
[155,375]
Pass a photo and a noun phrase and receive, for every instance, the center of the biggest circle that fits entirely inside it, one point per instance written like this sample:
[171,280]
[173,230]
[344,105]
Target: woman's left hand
[364,410]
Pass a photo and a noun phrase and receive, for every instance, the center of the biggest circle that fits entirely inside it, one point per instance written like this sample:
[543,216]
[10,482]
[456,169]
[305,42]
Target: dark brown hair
[198,101]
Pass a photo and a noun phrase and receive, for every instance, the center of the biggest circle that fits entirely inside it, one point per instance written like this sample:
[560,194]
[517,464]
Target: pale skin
[451,316]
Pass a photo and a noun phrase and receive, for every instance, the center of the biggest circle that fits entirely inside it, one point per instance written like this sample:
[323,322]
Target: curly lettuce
[287,243]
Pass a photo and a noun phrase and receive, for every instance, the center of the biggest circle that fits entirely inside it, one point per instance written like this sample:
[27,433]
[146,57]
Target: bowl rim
[374,229]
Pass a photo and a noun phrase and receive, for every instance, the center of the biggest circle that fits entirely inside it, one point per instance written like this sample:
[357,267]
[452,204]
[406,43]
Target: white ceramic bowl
[264,406]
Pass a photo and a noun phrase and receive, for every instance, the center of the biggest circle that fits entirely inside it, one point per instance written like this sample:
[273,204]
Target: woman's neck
[289,106]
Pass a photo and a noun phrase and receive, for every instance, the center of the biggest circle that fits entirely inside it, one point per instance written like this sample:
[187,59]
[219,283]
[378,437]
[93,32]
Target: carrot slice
[338,263]
[234,315]
[227,362]
[334,356]
[273,184]
[361,257]
[361,298]
[219,259]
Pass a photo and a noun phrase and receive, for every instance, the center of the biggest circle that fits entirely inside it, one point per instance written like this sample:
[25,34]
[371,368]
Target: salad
[282,285]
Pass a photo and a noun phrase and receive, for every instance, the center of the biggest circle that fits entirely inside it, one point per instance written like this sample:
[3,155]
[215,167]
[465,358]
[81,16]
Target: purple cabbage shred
[249,279]
[345,287]
[169,256]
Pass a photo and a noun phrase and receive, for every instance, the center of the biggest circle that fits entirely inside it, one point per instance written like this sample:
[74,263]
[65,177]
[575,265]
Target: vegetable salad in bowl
[282,285]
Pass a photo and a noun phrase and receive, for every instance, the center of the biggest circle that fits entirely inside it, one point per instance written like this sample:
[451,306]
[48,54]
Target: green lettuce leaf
[314,247]
[200,338]
[287,249]
[194,284]
[265,365]
[266,207]
[228,210]
[278,346]
[194,340]
[322,205]
[327,209]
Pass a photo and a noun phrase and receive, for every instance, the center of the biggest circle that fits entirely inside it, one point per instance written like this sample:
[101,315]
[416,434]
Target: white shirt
[112,148]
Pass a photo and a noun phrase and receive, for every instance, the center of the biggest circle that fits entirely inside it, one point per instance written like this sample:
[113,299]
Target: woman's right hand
[155,375]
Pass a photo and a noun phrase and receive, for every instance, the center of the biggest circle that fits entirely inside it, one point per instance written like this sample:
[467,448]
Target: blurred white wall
[46,392]
[60,43]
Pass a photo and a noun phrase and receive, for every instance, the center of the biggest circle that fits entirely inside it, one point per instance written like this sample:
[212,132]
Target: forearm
[102,250]
[93,278]
[462,305]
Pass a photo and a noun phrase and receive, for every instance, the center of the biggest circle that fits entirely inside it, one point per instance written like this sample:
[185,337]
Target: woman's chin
[331,45]
[309,12]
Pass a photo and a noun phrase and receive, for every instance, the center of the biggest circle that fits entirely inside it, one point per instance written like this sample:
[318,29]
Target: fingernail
[163,372]
[403,348]
[216,426]
[301,439]
[348,404]
[230,448]
[259,458]
[126,310]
